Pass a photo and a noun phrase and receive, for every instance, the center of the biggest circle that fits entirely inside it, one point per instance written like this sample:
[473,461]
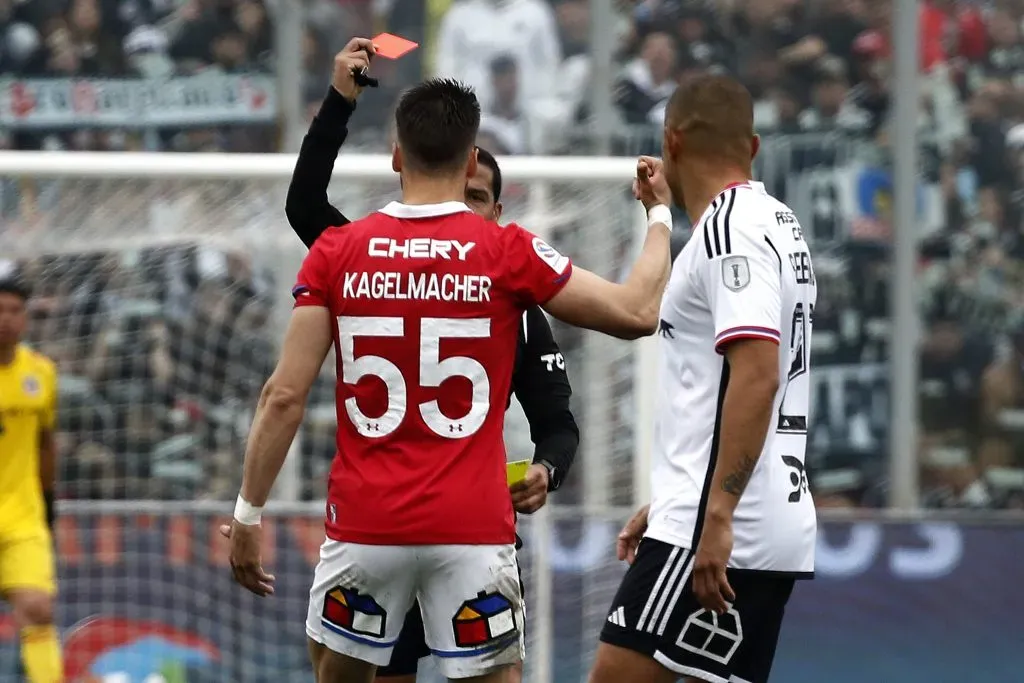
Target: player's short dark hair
[487,159]
[436,123]
[15,287]
[715,112]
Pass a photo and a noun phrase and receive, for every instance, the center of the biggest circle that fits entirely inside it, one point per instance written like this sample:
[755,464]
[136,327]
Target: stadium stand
[820,74]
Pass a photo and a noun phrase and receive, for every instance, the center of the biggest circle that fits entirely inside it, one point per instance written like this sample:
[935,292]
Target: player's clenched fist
[246,566]
[353,58]
[651,186]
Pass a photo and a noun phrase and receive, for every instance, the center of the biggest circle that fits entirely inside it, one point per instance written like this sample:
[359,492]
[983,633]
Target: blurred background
[162,298]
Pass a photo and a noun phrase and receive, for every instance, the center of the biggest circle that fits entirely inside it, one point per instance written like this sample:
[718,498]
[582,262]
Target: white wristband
[660,214]
[246,513]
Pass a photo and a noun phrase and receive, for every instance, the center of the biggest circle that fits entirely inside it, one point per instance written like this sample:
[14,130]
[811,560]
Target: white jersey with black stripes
[745,273]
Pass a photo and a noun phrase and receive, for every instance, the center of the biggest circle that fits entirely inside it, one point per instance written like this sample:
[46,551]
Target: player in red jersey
[422,301]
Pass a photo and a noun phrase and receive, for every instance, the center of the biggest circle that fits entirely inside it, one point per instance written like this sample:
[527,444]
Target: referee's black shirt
[538,381]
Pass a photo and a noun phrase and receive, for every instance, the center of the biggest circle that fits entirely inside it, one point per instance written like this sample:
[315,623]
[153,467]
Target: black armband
[51,508]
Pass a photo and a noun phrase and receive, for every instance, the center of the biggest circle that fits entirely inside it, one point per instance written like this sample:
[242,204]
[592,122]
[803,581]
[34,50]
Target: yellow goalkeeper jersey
[28,404]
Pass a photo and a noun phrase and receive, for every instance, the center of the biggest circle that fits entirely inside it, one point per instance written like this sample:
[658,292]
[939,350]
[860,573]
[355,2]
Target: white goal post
[58,203]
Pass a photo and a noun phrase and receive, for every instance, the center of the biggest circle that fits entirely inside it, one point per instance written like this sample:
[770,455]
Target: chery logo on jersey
[548,255]
[109,649]
[419,248]
[347,609]
[485,618]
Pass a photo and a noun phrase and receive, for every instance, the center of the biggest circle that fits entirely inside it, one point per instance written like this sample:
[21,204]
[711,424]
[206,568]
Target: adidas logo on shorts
[618,617]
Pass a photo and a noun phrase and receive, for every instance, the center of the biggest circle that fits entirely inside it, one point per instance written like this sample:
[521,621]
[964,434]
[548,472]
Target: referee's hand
[530,494]
[710,584]
[353,58]
[246,564]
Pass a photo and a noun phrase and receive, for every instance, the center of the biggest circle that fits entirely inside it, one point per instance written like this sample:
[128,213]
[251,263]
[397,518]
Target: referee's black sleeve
[541,384]
[308,211]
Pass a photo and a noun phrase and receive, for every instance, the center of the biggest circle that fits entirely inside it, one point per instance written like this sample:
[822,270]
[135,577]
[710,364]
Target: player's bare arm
[746,415]
[628,310]
[753,381]
[278,416]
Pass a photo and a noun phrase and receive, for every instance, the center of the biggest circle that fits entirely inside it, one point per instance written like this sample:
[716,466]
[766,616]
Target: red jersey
[428,301]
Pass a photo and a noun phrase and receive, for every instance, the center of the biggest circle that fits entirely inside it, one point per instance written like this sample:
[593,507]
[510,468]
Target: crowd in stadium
[820,71]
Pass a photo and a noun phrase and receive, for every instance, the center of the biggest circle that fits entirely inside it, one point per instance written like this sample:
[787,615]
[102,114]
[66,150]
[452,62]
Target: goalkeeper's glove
[51,510]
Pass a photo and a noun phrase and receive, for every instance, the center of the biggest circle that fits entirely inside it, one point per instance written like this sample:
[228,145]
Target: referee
[539,379]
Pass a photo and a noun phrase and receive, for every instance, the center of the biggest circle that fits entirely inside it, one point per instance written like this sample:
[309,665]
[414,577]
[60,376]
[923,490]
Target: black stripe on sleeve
[776,252]
[730,201]
[707,238]
[715,206]
[716,440]
[714,228]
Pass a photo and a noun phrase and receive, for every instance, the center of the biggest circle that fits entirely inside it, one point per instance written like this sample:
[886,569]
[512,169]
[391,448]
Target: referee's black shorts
[655,612]
[412,644]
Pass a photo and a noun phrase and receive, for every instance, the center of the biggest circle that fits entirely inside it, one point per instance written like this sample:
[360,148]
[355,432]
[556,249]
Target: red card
[391,46]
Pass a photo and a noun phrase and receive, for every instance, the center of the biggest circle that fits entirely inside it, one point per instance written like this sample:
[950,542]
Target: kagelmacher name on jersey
[417,286]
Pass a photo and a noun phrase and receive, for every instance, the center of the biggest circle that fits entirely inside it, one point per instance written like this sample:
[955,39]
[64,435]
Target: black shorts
[656,613]
[412,644]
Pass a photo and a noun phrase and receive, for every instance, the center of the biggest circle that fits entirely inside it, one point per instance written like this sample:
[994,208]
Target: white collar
[400,210]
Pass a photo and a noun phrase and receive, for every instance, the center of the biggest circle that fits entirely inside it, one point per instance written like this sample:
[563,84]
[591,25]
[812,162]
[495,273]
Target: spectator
[145,50]
[474,32]
[988,159]
[648,80]
[833,33]
[830,109]
[230,49]
[98,49]
[233,37]
[1002,392]
[502,118]
[573,18]
[703,45]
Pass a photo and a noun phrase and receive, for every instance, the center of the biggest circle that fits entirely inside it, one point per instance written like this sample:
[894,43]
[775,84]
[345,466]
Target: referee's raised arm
[541,384]
[307,208]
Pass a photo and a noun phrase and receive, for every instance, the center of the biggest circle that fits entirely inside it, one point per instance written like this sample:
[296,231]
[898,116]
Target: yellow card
[515,472]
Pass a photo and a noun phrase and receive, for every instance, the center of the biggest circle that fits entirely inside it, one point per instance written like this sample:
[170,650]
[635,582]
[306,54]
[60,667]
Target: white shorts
[469,595]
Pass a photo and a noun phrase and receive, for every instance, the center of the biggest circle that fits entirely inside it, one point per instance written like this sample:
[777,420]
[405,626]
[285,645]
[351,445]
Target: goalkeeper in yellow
[28,398]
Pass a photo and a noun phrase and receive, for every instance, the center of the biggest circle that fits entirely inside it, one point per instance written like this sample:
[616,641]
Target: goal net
[161,287]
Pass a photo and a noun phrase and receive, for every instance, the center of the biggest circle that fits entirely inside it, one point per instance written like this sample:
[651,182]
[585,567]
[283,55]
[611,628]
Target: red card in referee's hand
[390,46]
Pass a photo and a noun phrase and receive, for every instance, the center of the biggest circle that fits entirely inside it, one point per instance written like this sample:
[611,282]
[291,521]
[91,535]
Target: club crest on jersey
[30,385]
[484,619]
[346,609]
[549,255]
[735,272]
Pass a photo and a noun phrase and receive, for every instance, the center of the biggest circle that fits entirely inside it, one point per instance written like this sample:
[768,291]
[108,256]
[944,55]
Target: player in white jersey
[731,524]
